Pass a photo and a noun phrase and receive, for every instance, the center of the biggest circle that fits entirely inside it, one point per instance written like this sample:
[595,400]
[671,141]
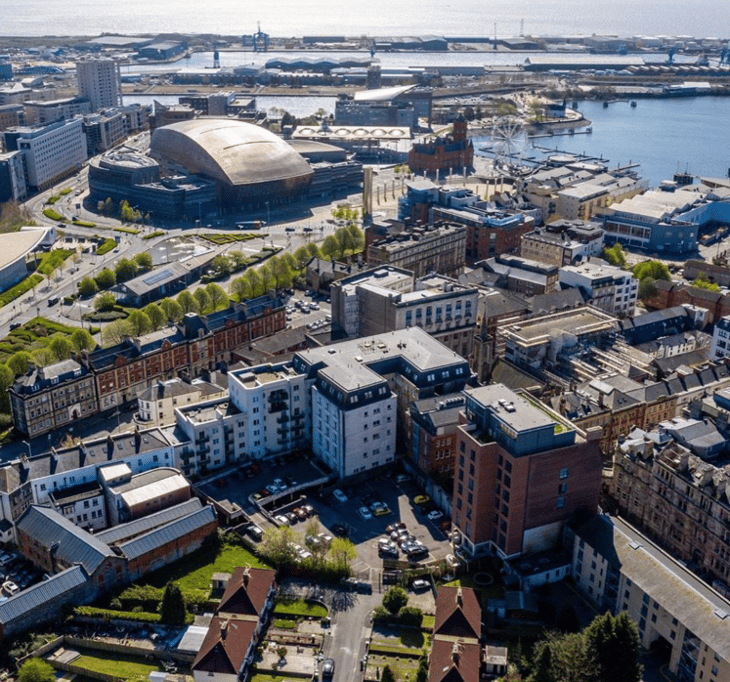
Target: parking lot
[16,573]
[308,308]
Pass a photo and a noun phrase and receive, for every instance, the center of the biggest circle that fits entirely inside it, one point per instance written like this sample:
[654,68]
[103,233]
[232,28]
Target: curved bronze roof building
[249,164]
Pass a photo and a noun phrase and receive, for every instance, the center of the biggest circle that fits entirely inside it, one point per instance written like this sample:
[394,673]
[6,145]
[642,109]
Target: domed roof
[229,151]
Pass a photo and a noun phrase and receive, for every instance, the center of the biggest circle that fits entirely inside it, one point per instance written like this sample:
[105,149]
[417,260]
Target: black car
[339,529]
[15,325]
[328,667]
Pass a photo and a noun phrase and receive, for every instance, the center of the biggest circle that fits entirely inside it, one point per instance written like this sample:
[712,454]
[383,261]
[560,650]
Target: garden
[114,664]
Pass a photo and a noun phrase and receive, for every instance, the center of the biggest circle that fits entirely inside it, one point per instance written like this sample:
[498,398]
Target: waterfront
[375,18]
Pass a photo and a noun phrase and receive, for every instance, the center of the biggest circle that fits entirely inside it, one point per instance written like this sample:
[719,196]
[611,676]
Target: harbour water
[373,18]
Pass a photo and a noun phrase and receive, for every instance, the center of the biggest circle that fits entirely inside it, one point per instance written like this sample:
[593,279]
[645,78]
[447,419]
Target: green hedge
[285,624]
[106,246]
[54,215]
[94,612]
[65,191]
[84,223]
[126,230]
[52,200]
[20,288]
[153,235]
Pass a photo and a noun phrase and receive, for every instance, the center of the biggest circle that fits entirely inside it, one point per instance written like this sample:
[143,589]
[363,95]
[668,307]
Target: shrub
[106,246]
[20,288]
[53,215]
[94,612]
[153,235]
[84,223]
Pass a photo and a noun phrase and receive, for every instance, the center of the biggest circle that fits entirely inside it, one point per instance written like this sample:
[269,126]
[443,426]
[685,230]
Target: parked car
[340,529]
[452,561]
[14,325]
[282,520]
[10,587]
[339,495]
[326,538]
[420,584]
[434,515]
[365,513]
[328,667]
[255,532]
[400,479]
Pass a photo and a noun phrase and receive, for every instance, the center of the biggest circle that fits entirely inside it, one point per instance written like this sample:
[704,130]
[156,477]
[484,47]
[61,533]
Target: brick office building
[522,472]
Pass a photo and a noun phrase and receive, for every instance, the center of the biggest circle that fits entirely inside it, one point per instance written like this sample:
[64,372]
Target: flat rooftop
[511,408]
[580,322]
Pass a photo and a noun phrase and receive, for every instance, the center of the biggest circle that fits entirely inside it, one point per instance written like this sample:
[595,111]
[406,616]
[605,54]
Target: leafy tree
[43,356]
[314,250]
[542,664]
[143,260]
[172,309]
[7,377]
[253,277]
[703,283]
[18,362]
[187,302]
[105,279]
[330,247]
[60,347]
[614,255]
[217,295]
[172,608]
[105,302]
[36,670]
[647,289]
[281,272]
[139,322]
[387,675]
[343,554]
[156,316]
[652,268]
[411,615]
[221,265]
[277,545]
[202,299]
[268,280]
[612,644]
[358,237]
[568,654]
[240,289]
[114,332]
[345,242]
[125,269]
[87,287]
[422,672]
[302,257]
[395,599]
[82,340]
[238,260]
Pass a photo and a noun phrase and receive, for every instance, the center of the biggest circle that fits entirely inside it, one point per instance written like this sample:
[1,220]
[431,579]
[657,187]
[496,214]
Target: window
[560,503]
[564,473]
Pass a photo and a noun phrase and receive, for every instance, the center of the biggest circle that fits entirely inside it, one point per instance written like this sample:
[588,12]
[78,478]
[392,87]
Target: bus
[251,225]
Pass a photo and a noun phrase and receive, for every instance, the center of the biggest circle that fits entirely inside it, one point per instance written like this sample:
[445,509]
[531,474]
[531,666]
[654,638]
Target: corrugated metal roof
[42,593]
[155,490]
[126,531]
[172,531]
[75,545]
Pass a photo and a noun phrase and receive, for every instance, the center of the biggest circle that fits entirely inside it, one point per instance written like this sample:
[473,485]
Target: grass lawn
[428,622]
[493,591]
[116,665]
[269,677]
[299,607]
[195,571]
[404,668]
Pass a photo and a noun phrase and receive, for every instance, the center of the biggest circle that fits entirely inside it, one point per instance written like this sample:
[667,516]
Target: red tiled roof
[224,647]
[247,595]
[458,613]
[454,661]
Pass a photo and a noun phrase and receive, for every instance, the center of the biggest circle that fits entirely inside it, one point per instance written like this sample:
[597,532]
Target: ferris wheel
[509,142]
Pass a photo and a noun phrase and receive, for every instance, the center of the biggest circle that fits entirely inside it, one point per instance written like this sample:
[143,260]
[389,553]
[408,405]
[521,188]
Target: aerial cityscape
[380,349]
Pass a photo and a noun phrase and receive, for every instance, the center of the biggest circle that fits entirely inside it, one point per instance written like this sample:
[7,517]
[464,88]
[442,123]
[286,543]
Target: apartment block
[605,286]
[100,82]
[563,242]
[620,569]
[720,345]
[522,472]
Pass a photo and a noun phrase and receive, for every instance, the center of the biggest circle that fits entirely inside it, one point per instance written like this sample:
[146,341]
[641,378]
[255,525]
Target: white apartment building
[100,82]
[720,345]
[609,288]
[158,403]
[621,570]
[52,151]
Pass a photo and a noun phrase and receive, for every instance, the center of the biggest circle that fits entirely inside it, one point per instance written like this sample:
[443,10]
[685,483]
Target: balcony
[202,438]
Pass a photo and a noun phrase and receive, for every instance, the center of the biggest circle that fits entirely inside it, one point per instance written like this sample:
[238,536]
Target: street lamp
[268,214]
[30,451]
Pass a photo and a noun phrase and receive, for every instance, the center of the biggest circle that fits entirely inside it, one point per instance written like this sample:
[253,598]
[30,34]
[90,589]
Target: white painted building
[158,403]
[100,82]
[609,288]
[720,345]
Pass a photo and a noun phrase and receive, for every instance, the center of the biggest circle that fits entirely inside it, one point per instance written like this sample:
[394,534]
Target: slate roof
[75,545]
[458,613]
[224,647]
[243,598]
[141,545]
[447,667]
[127,531]
[42,593]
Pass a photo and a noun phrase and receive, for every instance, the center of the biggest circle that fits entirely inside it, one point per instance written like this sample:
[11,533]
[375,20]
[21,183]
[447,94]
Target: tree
[143,260]
[614,255]
[302,257]
[314,250]
[277,545]
[422,672]
[172,309]
[36,670]
[343,553]
[268,281]
[60,347]
[105,302]
[156,316]
[703,283]
[568,655]
[387,675]
[612,645]
[238,259]
[221,265]
[395,599]
[7,378]
[187,302]
[87,287]
[114,332]
[217,295]
[358,237]
[125,269]
[542,664]
[240,289]
[283,274]
[82,340]
[18,362]
[172,608]
[253,277]
[652,268]
[202,299]
[345,241]
[139,323]
[647,289]
[105,279]
[330,247]
[410,615]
